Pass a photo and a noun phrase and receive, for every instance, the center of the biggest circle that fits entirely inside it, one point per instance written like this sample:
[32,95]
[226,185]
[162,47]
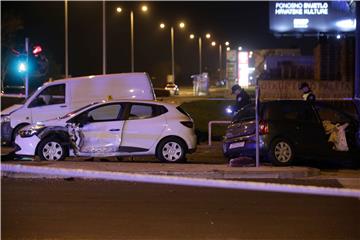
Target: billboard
[312,16]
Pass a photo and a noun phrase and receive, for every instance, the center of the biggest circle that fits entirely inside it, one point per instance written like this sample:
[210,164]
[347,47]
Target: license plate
[237,145]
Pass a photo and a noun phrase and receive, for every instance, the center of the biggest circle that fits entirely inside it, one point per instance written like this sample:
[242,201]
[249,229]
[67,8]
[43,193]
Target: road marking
[185,181]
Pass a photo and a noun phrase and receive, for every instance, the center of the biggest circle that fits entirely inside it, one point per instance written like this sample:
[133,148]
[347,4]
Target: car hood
[11,109]
[53,122]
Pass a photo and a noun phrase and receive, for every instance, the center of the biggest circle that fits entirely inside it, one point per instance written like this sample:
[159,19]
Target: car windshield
[77,110]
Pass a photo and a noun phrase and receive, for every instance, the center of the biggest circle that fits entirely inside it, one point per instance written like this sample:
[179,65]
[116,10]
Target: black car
[289,130]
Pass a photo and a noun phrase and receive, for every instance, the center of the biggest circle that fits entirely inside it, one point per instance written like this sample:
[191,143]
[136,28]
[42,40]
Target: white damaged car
[112,128]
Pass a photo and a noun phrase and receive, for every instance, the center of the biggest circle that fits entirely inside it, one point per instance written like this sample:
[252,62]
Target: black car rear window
[246,113]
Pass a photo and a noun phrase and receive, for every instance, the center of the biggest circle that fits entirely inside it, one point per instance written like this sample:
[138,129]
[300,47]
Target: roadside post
[357,57]
[257,122]
[27,70]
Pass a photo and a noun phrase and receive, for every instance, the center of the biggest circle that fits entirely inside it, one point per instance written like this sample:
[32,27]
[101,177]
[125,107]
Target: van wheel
[281,152]
[171,150]
[51,149]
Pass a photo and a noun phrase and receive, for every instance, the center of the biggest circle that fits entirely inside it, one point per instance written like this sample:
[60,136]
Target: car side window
[105,113]
[141,111]
[332,115]
[291,111]
[51,95]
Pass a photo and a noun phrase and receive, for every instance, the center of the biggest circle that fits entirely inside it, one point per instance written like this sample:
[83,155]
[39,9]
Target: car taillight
[263,128]
[188,124]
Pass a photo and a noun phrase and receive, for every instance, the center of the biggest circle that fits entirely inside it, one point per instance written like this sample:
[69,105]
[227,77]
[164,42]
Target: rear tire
[51,149]
[171,150]
[281,152]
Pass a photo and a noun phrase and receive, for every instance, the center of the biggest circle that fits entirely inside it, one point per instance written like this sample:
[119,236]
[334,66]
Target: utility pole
[66,41]
[357,56]
[27,68]
[200,57]
[132,40]
[172,54]
[104,36]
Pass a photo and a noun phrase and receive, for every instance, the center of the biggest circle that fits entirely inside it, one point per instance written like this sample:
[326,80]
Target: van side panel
[114,86]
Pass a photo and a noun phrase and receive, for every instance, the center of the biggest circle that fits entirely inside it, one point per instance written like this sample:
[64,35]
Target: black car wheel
[281,152]
[51,149]
[171,150]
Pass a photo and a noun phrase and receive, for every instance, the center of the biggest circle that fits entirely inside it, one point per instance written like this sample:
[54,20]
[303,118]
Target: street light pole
[27,68]
[200,53]
[172,54]
[66,41]
[220,60]
[104,38]
[132,39]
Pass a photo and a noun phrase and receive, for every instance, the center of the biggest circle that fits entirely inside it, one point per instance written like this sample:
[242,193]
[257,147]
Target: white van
[55,99]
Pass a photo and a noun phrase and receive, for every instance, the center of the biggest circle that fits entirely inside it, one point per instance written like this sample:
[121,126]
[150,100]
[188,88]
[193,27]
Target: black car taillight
[188,124]
[263,128]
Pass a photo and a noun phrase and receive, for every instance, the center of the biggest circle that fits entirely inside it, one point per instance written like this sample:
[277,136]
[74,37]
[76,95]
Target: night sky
[243,24]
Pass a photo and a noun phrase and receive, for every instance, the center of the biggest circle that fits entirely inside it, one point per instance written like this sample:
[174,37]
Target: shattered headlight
[5,118]
[29,132]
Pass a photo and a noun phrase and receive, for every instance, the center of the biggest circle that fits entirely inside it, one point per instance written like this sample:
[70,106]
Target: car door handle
[63,106]
[114,130]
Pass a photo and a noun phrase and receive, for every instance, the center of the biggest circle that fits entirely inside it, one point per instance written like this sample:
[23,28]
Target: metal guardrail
[209,127]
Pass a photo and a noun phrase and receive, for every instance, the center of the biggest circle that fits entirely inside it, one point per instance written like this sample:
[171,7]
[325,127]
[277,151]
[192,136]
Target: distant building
[335,60]
[288,67]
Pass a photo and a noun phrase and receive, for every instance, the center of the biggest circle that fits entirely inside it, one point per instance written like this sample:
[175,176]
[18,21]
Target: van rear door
[49,103]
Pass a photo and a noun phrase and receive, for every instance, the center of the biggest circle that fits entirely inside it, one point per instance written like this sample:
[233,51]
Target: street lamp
[182,26]
[213,43]
[207,36]
[144,9]
[228,49]
[239,48]
[227,43]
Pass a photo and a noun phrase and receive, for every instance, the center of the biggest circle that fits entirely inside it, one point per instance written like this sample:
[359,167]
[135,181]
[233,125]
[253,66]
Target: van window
[51,95]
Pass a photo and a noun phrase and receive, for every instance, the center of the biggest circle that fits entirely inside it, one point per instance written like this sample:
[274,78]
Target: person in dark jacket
[242,98]
[308,95]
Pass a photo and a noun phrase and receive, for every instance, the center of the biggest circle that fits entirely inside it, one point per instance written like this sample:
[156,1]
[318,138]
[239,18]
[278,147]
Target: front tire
[281,152]
[51,149]
[171,150]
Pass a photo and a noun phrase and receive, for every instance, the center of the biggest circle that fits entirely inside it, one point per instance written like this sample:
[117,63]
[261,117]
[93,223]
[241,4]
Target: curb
[185,181]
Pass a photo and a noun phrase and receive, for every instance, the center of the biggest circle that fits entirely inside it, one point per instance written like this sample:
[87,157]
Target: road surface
[84,209]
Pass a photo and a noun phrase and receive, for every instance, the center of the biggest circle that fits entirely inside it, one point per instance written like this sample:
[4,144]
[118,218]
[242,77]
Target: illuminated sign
[243,68]
[311,16]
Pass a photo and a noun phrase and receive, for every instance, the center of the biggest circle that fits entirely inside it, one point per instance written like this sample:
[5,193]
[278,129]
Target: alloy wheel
[283,152]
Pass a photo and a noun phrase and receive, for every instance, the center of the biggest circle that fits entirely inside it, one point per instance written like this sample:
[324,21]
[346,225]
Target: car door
[103,129]
[49,103]
[334,116]
[297,122]
[143,127]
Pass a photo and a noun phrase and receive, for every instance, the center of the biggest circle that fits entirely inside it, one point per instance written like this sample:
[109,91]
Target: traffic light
[22,67]
[37,50]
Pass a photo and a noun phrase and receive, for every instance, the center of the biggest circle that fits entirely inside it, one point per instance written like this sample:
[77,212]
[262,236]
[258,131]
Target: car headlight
[5,118]
[29,132]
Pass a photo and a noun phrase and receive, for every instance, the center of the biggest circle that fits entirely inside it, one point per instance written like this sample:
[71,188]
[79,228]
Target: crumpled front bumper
[6,133]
